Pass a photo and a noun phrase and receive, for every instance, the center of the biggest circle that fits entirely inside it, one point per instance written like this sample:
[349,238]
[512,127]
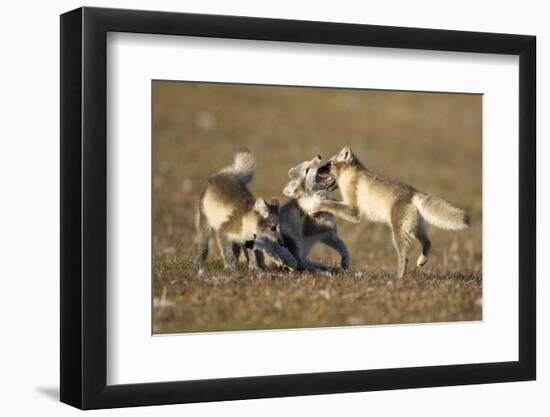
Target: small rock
[325,294]
[169,250]
[162,303]
[219,279]
[355,321]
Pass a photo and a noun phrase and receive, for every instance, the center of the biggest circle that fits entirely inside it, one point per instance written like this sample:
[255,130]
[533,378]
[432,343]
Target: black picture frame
[84,207]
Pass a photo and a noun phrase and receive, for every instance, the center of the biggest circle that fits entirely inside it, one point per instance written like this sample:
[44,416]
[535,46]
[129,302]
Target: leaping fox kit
[380,199]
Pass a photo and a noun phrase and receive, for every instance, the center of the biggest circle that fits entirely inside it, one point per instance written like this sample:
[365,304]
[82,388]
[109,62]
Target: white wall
[29,176]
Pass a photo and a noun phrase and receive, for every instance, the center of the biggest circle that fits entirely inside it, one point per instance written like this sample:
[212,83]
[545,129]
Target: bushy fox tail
[439,213]
[244,166]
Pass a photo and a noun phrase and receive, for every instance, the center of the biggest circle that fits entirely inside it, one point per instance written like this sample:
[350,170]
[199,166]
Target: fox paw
[344,264]
[421,261]
[323,194]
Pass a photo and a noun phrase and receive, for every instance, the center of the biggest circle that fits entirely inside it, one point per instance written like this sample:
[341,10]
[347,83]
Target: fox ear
[290,189]
[260,207]
[346,154]
[292,173]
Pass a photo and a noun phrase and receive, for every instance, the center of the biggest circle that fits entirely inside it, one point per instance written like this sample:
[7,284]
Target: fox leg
[334,241]
[316,267]
[340,209]
[424,240]
[255,259]
[237,251]
[402,247]
[226,249]
[405,220]
[294,248]
[204,233]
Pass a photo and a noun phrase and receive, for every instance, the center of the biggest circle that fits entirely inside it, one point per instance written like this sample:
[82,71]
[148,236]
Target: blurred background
[432,141]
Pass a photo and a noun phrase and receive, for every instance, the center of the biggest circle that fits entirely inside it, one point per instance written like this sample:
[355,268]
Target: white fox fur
[439,213]
[244,167]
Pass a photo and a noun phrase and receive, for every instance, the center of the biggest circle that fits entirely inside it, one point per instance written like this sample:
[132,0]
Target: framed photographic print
[258,207]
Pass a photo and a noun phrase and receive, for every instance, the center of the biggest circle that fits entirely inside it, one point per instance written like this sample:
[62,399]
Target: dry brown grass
[431,141]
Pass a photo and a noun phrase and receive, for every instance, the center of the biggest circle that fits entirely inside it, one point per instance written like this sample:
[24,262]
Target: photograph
[291,207]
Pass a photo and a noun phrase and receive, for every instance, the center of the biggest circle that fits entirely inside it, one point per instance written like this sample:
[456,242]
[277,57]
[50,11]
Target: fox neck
[307,203]
[250,227]
[347,182]
[242,228]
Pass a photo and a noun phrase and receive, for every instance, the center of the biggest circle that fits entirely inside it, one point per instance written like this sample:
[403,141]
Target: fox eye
[273,228]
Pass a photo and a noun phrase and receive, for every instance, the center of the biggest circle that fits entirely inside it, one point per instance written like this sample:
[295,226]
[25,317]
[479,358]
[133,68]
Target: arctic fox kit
[404,209]
[303,224]
[227,207]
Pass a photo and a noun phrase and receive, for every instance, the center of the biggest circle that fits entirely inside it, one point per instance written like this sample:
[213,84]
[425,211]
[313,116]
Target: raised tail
[244,166]
[439,213]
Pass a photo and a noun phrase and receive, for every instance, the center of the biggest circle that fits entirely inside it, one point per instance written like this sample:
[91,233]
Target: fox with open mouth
[404,209]
[303,222]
